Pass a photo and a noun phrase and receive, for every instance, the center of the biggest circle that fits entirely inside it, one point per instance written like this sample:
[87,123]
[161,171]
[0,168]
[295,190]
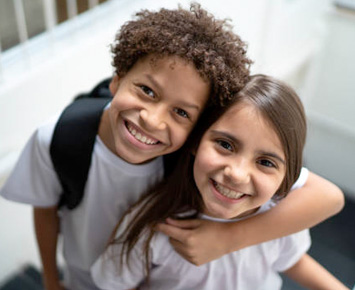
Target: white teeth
[140,137]
[227,192]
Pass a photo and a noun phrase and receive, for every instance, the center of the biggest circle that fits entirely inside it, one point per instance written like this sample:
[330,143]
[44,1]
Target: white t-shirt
[255,267]
[112,186]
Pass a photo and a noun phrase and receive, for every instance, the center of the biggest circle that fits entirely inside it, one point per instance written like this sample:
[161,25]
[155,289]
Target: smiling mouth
[140,136]
[227,192]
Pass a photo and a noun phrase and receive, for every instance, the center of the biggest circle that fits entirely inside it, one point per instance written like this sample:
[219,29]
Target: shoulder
[302,179]
[290,249]
[40,141]
[297,241]
[35,170]
[45,130]
[37,146]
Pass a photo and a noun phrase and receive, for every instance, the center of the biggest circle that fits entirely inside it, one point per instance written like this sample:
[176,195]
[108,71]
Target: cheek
[121,102]
[125,98]
[269,186]
[204,162]
[178,134]
[199,174]
[116,105]
[198,165]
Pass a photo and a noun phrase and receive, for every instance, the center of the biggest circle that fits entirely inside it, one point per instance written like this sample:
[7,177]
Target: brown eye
[181,113]
[266,163]
[225,145]
[147,91]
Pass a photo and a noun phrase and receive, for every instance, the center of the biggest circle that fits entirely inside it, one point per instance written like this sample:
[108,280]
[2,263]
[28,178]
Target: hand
[197,241]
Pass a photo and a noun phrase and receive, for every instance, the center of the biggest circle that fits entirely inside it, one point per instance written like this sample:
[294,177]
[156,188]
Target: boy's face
[240,163]
[154,108]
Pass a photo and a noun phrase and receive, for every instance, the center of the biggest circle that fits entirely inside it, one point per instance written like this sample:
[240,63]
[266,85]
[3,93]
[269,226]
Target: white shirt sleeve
[33,180]
[301,181]
[292,248]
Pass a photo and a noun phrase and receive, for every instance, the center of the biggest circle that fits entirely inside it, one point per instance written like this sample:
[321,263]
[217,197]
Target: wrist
[51,281]
[237,236]
[52,285]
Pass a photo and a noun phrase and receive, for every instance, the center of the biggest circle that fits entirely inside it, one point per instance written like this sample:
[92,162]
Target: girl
[237,163]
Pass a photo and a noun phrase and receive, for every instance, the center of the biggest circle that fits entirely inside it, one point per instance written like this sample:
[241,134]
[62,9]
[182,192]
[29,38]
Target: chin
[219,213]
[223,213]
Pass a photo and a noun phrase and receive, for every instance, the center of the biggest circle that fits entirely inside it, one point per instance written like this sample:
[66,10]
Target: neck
[105,132]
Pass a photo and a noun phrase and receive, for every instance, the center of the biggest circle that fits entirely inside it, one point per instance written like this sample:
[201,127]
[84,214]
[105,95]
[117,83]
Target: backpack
[73,142]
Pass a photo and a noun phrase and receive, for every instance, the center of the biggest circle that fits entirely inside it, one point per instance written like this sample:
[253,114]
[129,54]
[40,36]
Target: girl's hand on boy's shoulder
[198,241]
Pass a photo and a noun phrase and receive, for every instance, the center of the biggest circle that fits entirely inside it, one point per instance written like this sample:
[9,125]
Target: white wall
[330,102]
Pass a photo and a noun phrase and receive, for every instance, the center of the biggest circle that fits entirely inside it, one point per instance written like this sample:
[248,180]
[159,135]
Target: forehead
[173,76]
[244,121]
[238,114]
[171,65]
[155,63]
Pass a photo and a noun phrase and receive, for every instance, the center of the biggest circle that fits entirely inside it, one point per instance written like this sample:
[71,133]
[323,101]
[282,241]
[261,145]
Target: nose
[238,172]
[153,119]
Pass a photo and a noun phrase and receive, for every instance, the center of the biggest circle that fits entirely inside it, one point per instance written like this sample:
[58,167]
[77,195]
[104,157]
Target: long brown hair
[276,101]
[282,107]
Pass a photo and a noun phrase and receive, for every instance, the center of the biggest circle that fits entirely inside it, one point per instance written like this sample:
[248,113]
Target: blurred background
[51,50]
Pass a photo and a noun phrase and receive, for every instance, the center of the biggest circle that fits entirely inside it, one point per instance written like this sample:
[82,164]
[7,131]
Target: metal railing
[49,8]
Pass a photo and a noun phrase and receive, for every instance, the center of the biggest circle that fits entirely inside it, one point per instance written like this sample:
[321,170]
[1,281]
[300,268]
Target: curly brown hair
[218,54]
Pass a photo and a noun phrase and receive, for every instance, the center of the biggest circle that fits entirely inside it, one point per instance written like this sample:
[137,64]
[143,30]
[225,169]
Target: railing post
[1,74]
[72,8]
[50,15]
[20,20]
[22,29]
[93,3]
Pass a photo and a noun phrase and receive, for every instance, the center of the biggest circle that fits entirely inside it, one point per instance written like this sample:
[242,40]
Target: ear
[114,84]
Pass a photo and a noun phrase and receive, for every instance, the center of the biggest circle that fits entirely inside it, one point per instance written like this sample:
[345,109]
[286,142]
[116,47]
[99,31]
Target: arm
[303,208]
[201,241]
[310,274]
[47,228]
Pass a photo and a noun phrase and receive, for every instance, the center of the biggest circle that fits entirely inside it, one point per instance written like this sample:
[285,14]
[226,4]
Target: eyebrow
[227,135]
[235,140]
[152,80]
[189,105]
[273,155]
[160,89]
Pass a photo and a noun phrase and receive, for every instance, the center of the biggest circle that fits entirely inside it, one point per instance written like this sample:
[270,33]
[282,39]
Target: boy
[169,66]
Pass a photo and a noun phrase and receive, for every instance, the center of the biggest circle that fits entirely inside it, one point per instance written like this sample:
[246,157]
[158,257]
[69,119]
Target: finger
[184,224]
[172,231]
[184,252]
[180,248]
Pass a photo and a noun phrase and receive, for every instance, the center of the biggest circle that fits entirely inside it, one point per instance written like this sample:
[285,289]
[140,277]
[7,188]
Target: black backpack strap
[72,145]
[100,91]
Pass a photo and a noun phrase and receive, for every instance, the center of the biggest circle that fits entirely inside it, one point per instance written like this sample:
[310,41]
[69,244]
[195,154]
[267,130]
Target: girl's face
[239,164]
